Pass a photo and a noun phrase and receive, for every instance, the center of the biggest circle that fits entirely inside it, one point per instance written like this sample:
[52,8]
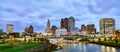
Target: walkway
[44,48]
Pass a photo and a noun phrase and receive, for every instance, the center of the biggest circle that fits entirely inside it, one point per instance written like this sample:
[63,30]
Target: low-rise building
[61,32]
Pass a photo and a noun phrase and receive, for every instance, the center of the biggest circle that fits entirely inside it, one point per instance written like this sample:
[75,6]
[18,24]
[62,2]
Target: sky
[23,13]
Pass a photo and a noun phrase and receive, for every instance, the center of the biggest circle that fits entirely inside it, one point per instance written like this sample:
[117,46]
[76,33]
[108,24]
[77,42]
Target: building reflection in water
[85,47]
[107,49]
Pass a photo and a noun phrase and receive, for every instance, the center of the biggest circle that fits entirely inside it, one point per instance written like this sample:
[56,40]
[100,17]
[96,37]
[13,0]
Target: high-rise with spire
[48,26]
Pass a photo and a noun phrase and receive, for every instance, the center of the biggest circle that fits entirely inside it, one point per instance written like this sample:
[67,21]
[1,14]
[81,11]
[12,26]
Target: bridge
[73,36]
[62,41]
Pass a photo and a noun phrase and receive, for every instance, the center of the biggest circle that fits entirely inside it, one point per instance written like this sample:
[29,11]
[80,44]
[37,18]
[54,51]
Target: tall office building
[107,26]
[68,23]
[26,29]
[31,29]
[71,24]
[83,28]
[91,29]
[48,27]
[10,28]
[62,23]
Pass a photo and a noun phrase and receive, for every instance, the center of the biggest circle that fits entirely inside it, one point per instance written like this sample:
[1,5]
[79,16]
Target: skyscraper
[62,23]
[107,26]
[71,24]
[26,29]
[48,27]
[83,28]
[31,29]
[10,28]
[66,23]
[91,29]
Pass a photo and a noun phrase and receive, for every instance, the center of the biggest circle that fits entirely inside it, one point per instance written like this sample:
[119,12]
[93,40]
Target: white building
[10,28]
[107,26]
[75,32]
[61,32]
[47,34]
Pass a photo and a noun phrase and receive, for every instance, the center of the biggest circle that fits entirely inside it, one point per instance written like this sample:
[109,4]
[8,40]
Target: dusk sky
[23,13]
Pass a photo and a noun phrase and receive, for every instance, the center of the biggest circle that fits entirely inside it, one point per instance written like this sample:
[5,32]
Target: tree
[99,39]
[11,42]
[15,34]
[2,32]
[3,40]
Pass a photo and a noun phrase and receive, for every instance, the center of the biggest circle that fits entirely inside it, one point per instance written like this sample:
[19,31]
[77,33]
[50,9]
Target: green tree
[15,34]
[2,32]
[11,41]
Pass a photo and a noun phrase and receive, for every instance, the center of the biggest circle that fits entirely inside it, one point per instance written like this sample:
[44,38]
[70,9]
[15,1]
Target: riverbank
[46,47]
[111,44]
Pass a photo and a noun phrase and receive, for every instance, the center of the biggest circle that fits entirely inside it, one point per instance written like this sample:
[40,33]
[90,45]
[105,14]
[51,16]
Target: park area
[26,45]
[17,47]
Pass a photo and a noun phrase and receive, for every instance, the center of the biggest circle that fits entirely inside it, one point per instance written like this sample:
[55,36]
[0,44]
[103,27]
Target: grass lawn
[19,47]
[112,41]
[4,42]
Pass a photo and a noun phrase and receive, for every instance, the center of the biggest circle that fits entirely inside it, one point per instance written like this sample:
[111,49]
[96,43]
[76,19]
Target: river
[87,47]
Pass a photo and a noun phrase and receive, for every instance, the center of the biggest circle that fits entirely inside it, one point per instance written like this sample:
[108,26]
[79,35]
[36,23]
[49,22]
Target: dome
[71,17]
[31,26]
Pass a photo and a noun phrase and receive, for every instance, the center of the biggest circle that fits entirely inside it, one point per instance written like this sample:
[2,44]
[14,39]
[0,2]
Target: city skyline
[36,12]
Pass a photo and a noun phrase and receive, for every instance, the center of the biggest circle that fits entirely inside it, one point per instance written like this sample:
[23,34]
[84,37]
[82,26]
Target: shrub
[84,39]
[110,38]
[3,40]
[24,38]
[104,39]
[99,39]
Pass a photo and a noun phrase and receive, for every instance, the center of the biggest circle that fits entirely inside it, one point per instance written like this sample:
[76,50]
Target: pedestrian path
[3,44]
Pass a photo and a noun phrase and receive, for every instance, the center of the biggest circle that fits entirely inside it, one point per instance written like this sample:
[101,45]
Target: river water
[87,47]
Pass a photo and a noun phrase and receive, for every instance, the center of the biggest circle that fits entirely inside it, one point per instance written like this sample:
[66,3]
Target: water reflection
[85,47]
[108,49]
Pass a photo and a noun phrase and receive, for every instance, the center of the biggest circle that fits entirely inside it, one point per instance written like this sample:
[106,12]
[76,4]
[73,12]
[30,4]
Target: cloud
[36,12]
